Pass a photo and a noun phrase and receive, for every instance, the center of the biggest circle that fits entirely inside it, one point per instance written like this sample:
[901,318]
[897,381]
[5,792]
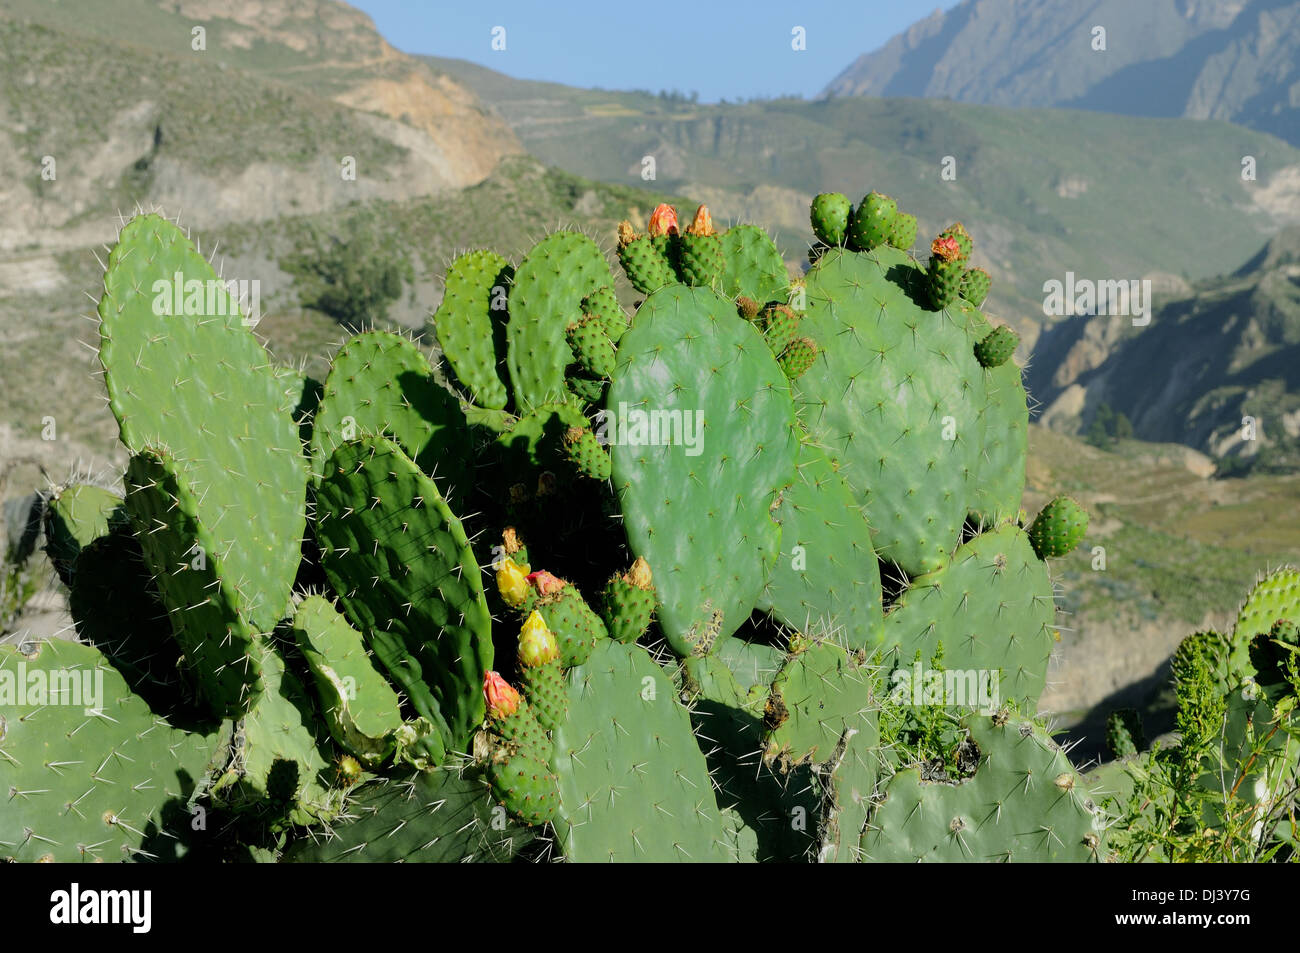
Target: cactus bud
[510,540]
[945,248]
[663,221]
[502,700]
[537,645]
[349,771]
[702,224]
[626,234]
[639,575]
[512,583]
[545,583]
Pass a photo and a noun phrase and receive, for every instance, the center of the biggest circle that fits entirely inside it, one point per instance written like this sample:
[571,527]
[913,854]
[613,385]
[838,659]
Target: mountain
[1045,191]
[1236,60]
[1226,350]
[105,103]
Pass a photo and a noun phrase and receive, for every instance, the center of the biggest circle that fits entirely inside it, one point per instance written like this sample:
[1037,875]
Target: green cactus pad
[975,284]
[700,260]
[1025,803]
[873,222]
[701,521]
[76,516]
[90,778]
[380,383]
[471,320]
[278,756]
[894,398]
[361,710]
[992,609]
[646,267]
[205,597]
[845,783]
[433,817]
[827,573]
[201,386]
[536,440]
[1276,596]
[1058,528]
[400,561]
[820,692]
[755,268]
[545,298]
[633,783]
[830,214]
[1000,480]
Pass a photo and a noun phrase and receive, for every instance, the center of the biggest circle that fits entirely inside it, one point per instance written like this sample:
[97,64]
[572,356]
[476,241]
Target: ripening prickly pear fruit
[592,347]
[830,213]
[780,324]
[798,357]
[541,674]
[1058,528]
[663,221]
[748,308]
[512,583]
[591,459]
[628,602]
[872,222]
[700,260]
[975,284]
[996,347]
[965,244]
[903,235]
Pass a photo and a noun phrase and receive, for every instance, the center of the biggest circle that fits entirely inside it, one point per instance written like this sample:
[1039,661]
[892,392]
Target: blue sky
[721,49]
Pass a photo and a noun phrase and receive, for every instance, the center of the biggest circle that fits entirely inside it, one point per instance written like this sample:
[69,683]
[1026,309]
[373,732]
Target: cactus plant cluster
[632,587]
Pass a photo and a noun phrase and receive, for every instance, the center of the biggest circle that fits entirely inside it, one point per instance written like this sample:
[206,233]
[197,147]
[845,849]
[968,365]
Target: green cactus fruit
[76,516]
[402,566]
[975,284]
[589,390]
[646,267]
[903,235]
[279,757]
[199,384]
[873,222]
[798,357]
[992,610]
[634,785]
[547,292]
[780,324]
[1058,528]
[830,214]
[965,244]
[1124,736]
[943,283]
[628,603]
[541,674]
[89,772]
[204,596]
[996,348]
[755,267]
[440,816]
[586,453]
[361,711]
[820,692]
[571,621]
[700,259]
[518,757]
[591,346]
[603,305]
[711,553]
[381,384]
[827,573]
[1025,803]
[748,308]
[470,323]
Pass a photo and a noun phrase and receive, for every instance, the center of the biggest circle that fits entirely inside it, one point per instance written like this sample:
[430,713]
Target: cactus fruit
[943,280]
[873,222]
[1058,528]
[830,214]
[603,305]
[700,259]
[628,602]
[584,449]
[903,235]
[965,245]
[576,628]
[798,357]
[541,672]
[780,324]
[518,762]
[975,284]
[646,267]
[512,583]
[592,347]
[996,347]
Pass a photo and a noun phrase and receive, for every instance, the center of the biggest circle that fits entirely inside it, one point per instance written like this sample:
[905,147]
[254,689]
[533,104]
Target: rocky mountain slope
[1237,60]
